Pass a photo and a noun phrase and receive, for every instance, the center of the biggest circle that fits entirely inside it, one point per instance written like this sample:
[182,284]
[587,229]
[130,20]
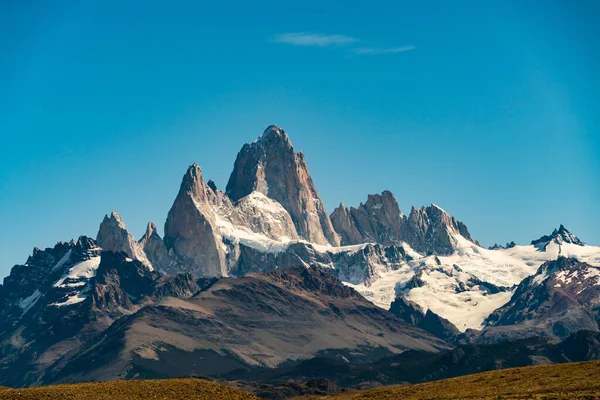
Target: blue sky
[488,109]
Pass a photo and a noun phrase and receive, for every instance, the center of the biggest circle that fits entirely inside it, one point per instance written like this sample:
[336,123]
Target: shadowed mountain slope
[257,320]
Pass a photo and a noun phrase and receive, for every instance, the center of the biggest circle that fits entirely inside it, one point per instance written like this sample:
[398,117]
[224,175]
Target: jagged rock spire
[150,231]
[433,231]
[114,236]
[558,236]
[346,226]
[429,230]
[378,220]
[156,251]
[193,182]
[429,321]
[191,231]
[270,166]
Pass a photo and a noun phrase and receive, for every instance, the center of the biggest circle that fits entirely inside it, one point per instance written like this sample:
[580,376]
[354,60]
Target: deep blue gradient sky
[489,109]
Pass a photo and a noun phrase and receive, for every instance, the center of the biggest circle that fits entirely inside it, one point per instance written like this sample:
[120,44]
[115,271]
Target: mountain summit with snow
[558,236]
[266,251]
[561,298]
[271,166]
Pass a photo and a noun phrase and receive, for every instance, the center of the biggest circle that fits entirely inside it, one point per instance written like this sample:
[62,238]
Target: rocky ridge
[428,230]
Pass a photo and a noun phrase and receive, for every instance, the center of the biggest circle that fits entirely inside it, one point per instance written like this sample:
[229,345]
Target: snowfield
[442,292]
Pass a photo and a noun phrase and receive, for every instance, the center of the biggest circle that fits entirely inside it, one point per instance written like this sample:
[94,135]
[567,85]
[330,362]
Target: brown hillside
[560,381]
[168,389]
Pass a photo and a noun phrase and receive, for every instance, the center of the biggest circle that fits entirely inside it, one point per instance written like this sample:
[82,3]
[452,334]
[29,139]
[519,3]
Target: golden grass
[560,381]
[168,389]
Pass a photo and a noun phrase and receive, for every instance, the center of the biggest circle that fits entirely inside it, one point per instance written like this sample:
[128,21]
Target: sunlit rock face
[270,166]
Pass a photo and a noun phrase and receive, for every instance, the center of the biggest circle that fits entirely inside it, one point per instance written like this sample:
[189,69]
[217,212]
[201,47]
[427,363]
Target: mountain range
[260,276]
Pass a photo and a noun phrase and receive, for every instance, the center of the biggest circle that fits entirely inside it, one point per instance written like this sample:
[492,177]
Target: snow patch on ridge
[30,301]
[75,278]
[73,299]
[260,213]
[262,202]
[79,272]
[66,258]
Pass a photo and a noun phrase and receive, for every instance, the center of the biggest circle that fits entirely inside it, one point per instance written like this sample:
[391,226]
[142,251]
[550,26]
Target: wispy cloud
[364,51]
[322,40]
[314,39]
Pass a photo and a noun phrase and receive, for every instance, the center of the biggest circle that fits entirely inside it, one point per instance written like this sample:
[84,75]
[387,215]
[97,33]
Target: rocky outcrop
[180,286]
[429,321]
[191,229]
[114,236]
[563,297]
[378,220]
[345,226]
[120,283]
[156,251]
[431,230]
[204,229]
[497,246]
[270,166]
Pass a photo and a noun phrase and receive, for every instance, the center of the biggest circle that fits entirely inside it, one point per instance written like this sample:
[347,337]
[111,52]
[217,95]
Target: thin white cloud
[322,40]
[313,39]
[362,51]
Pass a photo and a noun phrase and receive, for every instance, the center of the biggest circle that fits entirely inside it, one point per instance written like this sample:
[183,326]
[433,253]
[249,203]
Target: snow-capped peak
[558,236]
